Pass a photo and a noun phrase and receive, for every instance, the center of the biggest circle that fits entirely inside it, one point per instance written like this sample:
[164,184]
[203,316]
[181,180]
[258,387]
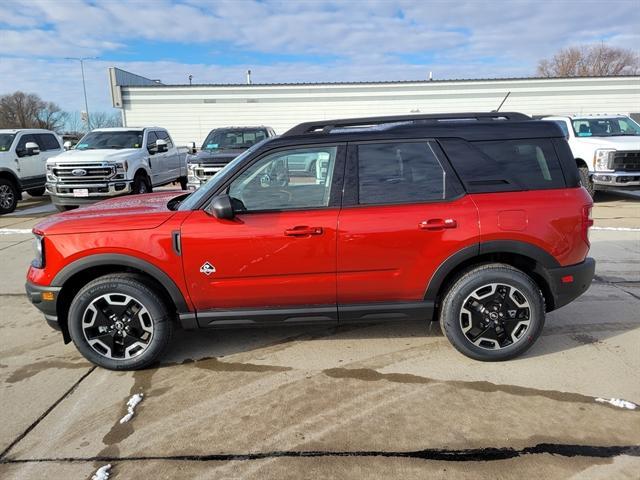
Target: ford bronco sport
[477,220]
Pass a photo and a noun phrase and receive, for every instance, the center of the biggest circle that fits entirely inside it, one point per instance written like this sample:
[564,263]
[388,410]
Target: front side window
[399,173]
[111,140]
[46,141]
[165,136]
[286,180]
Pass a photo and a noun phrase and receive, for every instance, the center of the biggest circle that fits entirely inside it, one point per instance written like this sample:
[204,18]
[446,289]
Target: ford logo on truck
[78,172]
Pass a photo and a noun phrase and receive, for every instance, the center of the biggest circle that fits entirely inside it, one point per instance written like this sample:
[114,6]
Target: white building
[189,112]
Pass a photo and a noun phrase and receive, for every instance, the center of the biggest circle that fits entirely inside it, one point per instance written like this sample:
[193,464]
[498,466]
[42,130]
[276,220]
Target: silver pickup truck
[115,161]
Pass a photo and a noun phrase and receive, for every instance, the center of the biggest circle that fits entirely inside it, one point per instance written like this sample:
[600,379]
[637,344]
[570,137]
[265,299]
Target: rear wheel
[493,312]
[141,184]
[119,323]
[8,196]
[586,181]
[36,192]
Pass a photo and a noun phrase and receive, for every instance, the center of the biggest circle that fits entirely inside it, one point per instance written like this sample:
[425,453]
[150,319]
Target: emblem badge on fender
[207,269]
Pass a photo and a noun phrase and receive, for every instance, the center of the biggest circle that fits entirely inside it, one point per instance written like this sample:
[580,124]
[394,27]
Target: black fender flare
[113,259]
[543,259]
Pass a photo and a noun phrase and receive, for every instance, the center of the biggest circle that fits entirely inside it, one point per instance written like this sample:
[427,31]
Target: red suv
[477,220]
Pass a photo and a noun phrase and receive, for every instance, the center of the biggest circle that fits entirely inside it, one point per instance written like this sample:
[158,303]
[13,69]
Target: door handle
[438,224]
[303,231]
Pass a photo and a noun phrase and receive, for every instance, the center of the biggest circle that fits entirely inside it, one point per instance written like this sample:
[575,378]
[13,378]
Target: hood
[205,157]
[100,155]
[131,212]
[627,142]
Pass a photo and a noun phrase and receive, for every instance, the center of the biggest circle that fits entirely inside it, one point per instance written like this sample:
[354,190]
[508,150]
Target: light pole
[84,86]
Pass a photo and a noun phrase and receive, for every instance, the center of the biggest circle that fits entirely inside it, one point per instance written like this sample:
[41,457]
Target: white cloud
[365,39]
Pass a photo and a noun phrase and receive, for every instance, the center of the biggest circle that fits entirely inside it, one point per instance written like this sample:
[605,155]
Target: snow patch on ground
[102,473]
[131,405]
[617,402]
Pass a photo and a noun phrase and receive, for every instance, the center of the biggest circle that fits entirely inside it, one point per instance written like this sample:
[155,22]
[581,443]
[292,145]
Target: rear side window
[505,165]
[46,141]
[399,173]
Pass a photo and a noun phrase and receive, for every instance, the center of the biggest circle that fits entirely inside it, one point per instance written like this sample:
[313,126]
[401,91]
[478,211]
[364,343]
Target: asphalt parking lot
[372,401]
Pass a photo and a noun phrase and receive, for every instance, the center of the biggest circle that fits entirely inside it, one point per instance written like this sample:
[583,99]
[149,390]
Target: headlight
[122,167]
[603,160]
[38,251]
[191,173]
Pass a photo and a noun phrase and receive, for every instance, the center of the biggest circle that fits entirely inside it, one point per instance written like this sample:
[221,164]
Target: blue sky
[291,41]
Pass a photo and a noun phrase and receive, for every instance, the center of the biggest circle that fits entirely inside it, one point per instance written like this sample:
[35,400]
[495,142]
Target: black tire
[183,182]
[8,196]
[586,181]
[112,354]
[454,313]
[36,192]
[141,184]
[65,208]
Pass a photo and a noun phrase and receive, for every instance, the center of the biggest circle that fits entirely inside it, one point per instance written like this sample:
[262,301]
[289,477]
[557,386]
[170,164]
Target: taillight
[587,222]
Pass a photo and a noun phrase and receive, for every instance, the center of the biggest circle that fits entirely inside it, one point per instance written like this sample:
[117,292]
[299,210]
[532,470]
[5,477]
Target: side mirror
[193,148]
[221,207]
[31,148]
[161,146]
[67,145]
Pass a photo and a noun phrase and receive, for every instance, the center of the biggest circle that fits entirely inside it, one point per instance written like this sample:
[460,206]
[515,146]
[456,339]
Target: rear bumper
[47,307]
[568,283]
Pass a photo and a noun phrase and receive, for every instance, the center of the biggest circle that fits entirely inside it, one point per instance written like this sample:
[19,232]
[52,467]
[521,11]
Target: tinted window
[290,179]
[114,139]
[399,173]
[531,162]
[165,136]
[24,139]
[46,141]
[563,127]
[151,140]
[220,139]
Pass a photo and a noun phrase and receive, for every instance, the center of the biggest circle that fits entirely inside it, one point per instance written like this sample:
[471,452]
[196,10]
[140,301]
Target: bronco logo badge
[207,269]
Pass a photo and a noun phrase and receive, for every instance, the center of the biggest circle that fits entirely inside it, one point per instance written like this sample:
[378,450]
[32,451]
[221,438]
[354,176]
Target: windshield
[605,127]
[111,140]
[6,139]
[242,138]
[212,184]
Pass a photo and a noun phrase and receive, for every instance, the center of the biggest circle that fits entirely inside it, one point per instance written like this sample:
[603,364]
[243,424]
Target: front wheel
[183,182]
[8,196]
[586,181]
[493,312]
[119,323]
[141,184]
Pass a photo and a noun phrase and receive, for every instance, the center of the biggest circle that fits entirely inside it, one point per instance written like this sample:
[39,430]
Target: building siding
[190,112]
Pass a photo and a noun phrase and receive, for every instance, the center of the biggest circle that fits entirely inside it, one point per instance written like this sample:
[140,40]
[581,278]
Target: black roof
[471,126]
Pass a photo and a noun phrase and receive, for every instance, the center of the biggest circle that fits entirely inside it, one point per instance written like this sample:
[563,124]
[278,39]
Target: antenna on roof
[502,103]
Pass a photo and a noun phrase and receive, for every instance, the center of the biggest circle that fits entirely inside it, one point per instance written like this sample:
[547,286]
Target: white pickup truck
[606,149]
[23,156]
[115,161]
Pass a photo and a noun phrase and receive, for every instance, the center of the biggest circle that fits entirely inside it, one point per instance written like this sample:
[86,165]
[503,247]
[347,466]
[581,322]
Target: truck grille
[79,173]
[206,172]
[628,161]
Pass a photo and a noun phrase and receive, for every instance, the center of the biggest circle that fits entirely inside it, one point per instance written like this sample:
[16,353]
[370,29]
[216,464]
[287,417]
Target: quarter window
[399,173]
[286,180]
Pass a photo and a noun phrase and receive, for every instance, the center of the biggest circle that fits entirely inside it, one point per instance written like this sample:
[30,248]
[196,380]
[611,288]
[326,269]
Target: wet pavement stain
[215,365]
[370,375]
[32,369]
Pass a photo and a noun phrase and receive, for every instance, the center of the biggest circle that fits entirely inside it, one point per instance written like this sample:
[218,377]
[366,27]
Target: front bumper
[568,283]
[63,193]
[47,304]
[616,179]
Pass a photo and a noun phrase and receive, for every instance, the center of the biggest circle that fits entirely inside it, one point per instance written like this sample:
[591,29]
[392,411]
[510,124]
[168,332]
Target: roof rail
[325,126]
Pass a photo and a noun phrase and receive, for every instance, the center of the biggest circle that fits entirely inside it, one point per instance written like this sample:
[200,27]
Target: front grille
[92,172]
[627,161]
[208,171]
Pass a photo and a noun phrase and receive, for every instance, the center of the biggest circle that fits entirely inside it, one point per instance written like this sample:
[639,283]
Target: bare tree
[590,60]
[105,120]
[28,110]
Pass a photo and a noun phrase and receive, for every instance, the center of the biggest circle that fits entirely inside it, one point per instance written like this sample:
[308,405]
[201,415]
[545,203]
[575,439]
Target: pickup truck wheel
[183,182]
[141,184]
[119,323]
[8,196]
[586,181]
[493,312]
[36,192]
